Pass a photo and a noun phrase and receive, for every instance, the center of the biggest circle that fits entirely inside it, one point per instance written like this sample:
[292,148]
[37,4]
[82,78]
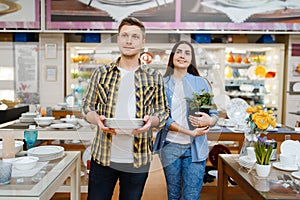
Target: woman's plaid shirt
[101,96]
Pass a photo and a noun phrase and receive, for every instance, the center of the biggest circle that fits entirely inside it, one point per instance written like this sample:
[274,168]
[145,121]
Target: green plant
[263,151]
[202,100]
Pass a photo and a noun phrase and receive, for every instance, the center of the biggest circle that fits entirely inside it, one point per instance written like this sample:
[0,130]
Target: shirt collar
[114,66]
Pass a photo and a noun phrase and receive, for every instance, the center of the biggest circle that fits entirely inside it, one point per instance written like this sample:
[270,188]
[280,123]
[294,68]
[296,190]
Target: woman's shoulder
[196,78]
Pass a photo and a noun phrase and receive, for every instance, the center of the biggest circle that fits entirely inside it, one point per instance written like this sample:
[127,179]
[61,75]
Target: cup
[5,172]
[251,153]
[287,159]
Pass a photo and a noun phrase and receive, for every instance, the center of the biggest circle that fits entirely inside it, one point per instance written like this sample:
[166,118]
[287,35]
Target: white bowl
[70,120]
[25,163]
[18,147]
[44,121]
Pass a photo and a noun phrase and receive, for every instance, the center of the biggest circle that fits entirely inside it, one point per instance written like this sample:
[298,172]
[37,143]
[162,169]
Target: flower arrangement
[259,120]
[263,151]
[201,101]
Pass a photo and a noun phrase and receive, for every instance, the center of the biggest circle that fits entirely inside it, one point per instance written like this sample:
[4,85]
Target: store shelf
[238,65]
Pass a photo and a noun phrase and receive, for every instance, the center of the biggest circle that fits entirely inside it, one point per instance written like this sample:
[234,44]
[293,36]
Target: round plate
[290,147]
[214,153]
[86,155]
[236,110]
[240,4]
[8,7]
[62,126]
[260,71]
[296,174]
[279,165]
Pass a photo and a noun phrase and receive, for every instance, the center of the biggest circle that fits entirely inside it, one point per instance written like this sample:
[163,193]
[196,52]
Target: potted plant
[200,102]
[263,152]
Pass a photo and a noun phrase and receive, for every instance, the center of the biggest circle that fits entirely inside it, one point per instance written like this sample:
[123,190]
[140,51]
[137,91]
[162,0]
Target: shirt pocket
[103,90]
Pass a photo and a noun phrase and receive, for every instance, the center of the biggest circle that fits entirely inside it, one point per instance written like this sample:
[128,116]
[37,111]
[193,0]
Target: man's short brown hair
[132,21]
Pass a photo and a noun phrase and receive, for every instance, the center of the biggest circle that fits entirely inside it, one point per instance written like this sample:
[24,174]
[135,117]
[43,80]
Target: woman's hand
[202,120]
[200,131]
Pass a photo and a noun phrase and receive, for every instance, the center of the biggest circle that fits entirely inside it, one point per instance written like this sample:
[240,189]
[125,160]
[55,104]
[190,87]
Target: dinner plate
[8,7]
[296,174]
[280,166]
[46,153]
[290,147]
[236,110]
[123,123]
[240,4]
[62,126]
[86,156]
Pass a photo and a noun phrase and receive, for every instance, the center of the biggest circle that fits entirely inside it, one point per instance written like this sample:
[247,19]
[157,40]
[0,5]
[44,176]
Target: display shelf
[238,65]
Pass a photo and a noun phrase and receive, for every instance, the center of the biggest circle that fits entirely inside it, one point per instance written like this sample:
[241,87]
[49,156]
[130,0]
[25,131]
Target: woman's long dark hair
[191,69]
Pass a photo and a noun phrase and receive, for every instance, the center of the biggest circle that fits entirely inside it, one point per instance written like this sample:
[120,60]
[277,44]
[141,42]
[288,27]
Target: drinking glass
[30,137]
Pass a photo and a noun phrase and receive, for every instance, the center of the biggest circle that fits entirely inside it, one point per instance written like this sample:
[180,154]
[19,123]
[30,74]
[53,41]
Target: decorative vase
[263,170]
[249,140]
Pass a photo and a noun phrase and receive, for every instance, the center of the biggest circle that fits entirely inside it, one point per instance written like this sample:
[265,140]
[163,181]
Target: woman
[185,149]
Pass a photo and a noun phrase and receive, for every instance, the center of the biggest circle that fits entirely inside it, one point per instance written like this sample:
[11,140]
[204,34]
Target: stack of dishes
[28,117]
[123,123]
[46,153]
[245,161]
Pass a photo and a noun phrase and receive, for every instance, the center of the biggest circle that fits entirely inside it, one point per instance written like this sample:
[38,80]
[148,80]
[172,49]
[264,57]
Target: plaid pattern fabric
[101,96]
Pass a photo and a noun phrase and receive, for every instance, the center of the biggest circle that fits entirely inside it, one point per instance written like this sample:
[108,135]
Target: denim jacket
[191,83]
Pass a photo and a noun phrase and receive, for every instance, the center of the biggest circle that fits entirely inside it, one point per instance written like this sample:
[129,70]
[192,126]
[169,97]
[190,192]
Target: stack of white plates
[28,117]
[245,161]
[45,153]
[123,123]
[243,3]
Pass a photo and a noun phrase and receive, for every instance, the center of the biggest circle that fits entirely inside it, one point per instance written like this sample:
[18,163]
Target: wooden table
[250,183]
[59,171]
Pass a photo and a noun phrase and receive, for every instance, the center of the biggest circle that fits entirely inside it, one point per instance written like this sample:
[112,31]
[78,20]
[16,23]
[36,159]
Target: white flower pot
[263,170]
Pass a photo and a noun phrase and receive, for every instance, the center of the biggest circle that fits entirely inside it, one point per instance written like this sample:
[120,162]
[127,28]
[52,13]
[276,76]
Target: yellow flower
[250,110]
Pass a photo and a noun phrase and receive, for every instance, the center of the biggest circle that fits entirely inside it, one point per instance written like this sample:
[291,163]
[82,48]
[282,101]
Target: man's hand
[145,128]
[103,127]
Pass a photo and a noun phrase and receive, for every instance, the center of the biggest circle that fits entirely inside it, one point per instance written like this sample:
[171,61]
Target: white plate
[213,173]
[123,123]
[236,110]
[70,120]
[296,174]
[290,147]
[122,2]
[280,166]
[62,126]
[86,155]
[45,150]
[240,4]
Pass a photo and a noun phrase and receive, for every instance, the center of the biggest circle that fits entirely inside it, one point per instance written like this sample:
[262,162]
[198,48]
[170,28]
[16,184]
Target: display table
[257,188]
[57,171]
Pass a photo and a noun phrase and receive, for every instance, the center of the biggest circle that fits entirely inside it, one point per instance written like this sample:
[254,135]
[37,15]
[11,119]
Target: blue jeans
[102,181]
[182,175]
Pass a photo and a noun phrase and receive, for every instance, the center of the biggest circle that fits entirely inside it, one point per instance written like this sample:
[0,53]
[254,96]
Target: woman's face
[182,56]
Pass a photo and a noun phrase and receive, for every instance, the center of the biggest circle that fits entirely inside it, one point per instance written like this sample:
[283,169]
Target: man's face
[130,40]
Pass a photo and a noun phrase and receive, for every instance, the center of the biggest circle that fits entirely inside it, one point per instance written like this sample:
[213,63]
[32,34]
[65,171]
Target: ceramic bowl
[18,147]
[44,121]
[25,163]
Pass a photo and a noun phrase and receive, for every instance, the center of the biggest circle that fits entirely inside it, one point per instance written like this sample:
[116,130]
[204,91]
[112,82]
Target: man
[124,89]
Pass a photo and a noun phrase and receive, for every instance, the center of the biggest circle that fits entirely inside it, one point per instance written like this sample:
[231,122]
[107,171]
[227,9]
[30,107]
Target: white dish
[213,173]
[70,120]
[123,123]
[86,156]
[280,166]
[29,114]
[245,161]
[296,174]
[45,153]
[240,4]
[44,121]
[290,147]
[236,110]
[271,129]
[25,162]
[62,126]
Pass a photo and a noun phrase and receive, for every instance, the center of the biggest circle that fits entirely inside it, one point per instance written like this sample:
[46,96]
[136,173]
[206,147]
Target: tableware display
[30,136]
[280,166]
[246,161]
[44,121]
[243,4]
[62,126]
[290,147]
[122,2]
[46,153]
[236,110]
[18,147]
[288,159]
[5,172]
[123,123]
[70,120]
[25,162]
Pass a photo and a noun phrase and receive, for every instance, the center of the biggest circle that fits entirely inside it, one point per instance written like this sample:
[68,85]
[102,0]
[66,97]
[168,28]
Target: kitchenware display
[46,153]
[62,126]
[25,162]
[283,167]
[236,110]
[243,4]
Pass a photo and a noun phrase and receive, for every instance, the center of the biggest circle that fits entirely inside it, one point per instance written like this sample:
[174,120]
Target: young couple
[128,89]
